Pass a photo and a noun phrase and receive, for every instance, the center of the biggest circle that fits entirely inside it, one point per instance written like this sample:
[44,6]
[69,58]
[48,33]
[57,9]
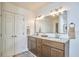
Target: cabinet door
[33,45]
[7,34]
[39,47]
[20,37]
[45,51]
[29,43]
[56,53]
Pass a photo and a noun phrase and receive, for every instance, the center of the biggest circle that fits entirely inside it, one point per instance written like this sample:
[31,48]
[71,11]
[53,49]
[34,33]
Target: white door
[20,41]
[8,32]
[0,36]
[0,31]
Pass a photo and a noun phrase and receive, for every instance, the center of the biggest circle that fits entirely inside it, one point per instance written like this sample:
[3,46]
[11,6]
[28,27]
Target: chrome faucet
[57,36]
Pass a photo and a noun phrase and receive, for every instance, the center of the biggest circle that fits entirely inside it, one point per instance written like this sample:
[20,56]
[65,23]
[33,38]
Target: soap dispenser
[71,31]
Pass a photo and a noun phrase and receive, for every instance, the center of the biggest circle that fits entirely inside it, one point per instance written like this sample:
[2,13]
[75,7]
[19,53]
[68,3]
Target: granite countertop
[62,40]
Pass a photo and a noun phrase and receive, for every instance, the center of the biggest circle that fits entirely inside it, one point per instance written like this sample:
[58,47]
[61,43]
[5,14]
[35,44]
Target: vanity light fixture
[40,17]
[57,11]
[54,13]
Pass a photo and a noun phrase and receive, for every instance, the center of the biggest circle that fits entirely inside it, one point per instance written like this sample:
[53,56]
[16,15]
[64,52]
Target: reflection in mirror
[48,24]
[63,22]
[52,24]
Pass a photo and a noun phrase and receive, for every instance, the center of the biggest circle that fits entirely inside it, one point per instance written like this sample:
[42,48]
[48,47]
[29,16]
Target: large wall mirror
[48,24]
[52,24]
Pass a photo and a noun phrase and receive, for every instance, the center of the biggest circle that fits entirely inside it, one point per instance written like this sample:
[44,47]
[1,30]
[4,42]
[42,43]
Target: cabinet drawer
[54,44]
[56,53]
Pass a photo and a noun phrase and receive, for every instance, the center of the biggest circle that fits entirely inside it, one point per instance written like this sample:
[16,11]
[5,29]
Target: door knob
[12,36]
[15,36]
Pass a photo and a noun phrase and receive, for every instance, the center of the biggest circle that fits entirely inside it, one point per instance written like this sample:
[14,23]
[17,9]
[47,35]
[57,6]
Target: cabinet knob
[13,36]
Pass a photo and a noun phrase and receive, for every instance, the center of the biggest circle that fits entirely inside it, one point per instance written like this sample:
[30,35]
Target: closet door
[20,41]
[0,31]
[0,36]
[8,34]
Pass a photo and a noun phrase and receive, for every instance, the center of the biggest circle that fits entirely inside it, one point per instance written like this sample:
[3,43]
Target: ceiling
[34,6]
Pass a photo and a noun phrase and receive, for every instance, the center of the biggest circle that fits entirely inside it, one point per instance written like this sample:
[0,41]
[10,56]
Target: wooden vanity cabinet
[29,43]
[32,44]
[47,48]
[56,49]
[57,53]
[39,47]
[46,51]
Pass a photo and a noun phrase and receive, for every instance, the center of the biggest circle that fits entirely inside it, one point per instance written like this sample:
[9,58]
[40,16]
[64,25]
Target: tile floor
[25,54]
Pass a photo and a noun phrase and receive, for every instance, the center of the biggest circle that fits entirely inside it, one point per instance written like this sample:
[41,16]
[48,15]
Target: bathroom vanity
[54,45]
[48,46]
